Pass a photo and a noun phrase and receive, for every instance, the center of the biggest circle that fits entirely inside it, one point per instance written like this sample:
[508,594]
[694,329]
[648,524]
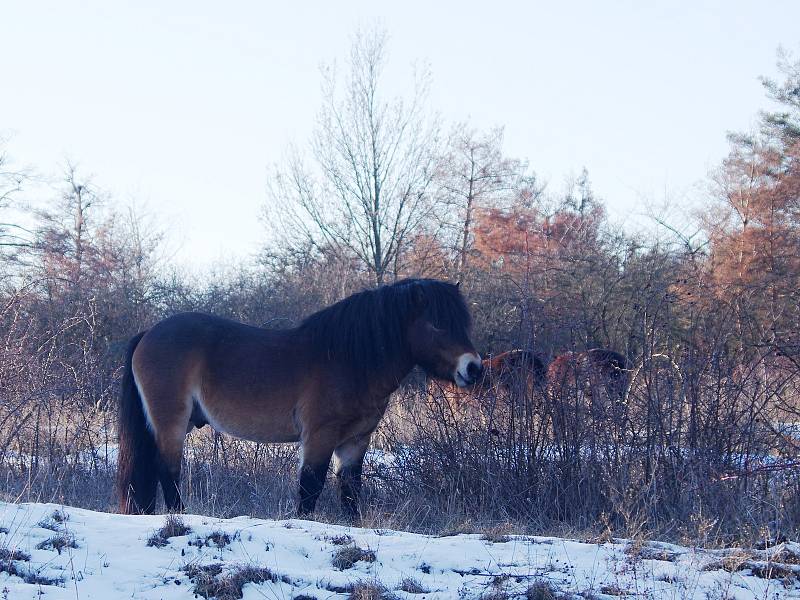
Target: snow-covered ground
[111,559]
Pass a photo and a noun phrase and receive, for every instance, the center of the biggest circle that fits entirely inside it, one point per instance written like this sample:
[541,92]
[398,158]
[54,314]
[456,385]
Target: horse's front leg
[348,467]
[316,457]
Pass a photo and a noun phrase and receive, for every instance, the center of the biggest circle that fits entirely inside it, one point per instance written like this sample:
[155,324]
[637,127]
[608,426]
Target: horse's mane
[366,331]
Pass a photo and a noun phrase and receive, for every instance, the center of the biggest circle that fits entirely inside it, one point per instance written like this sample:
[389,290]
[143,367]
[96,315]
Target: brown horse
[585,387]
[590,371]
[520,371]
[325,384]
[508,368]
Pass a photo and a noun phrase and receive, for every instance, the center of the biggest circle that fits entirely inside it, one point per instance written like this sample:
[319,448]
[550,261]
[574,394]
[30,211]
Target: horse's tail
[137,455]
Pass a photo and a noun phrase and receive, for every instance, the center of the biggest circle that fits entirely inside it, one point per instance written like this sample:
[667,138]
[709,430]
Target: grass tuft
[211,582]
[650,552]
[6,554]
[54,521]
[220,539]
[35,578]
[498,534]
[613,590]
[174,526]
[347,556]
[340,540]
[542,590]
[370,590]
[59,516]
[58,542]
[8,566]
[412,586]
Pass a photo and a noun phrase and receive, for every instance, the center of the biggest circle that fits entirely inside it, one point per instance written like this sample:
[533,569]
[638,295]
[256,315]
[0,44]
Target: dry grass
[613,590]
[642,551]
[542,590]
[788,574]
[340,540]
[58,542]
[412,586]
[54,522]
[212,581]
[13,554]
[9,564]
[370,590]
[346,556]
[498,534]
[220,539]
[173,526]
[772,568]
[424,492]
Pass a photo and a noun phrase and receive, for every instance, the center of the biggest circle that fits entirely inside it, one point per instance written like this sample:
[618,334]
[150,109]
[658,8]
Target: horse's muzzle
[468,370]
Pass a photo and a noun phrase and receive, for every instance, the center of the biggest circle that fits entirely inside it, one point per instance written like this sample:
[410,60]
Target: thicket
[704,445]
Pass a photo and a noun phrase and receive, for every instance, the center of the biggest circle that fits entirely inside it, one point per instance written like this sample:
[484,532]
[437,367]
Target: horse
[325,384]
[583,386]
[506,368]
[598,368]
[516,372]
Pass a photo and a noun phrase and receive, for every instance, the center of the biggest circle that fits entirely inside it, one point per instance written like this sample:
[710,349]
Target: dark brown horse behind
[585,388]
[509,368]
[590,372]
[325,384]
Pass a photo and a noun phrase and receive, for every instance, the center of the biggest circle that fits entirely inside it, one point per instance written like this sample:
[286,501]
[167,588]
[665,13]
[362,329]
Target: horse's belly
[264,437]
[255,426]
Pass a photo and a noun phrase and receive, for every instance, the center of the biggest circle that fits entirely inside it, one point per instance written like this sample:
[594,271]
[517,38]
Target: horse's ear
[458,284]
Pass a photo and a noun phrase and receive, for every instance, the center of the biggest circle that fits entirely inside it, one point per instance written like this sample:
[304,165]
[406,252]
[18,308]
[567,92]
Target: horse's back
[191,327]
[215,341]
[605,358]
[244,379]
[529,362]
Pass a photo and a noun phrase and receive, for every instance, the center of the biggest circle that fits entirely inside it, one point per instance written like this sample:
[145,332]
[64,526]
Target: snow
[112,560]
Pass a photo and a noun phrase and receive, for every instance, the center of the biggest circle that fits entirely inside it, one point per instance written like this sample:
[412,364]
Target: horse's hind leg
[170,433]
[349,464]
[169,473]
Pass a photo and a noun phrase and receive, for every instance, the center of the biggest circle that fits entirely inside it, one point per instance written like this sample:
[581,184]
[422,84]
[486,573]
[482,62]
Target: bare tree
[12,234]
[475,174]
[373,164]
[64,236]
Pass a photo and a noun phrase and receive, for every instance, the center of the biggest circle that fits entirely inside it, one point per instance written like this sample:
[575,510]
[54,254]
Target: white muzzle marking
[461,375]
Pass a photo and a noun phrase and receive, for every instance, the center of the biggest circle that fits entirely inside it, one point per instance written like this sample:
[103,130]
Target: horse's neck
[387,382]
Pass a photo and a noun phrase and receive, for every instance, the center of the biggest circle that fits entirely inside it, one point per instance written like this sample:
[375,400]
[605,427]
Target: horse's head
[439,333]
[611,368]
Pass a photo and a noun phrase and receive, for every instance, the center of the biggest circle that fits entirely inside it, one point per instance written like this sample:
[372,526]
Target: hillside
[61,552]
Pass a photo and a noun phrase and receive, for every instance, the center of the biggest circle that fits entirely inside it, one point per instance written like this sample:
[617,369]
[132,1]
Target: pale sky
[183,106]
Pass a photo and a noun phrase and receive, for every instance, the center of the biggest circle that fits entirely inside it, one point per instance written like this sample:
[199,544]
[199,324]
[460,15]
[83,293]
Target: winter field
[50,551]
